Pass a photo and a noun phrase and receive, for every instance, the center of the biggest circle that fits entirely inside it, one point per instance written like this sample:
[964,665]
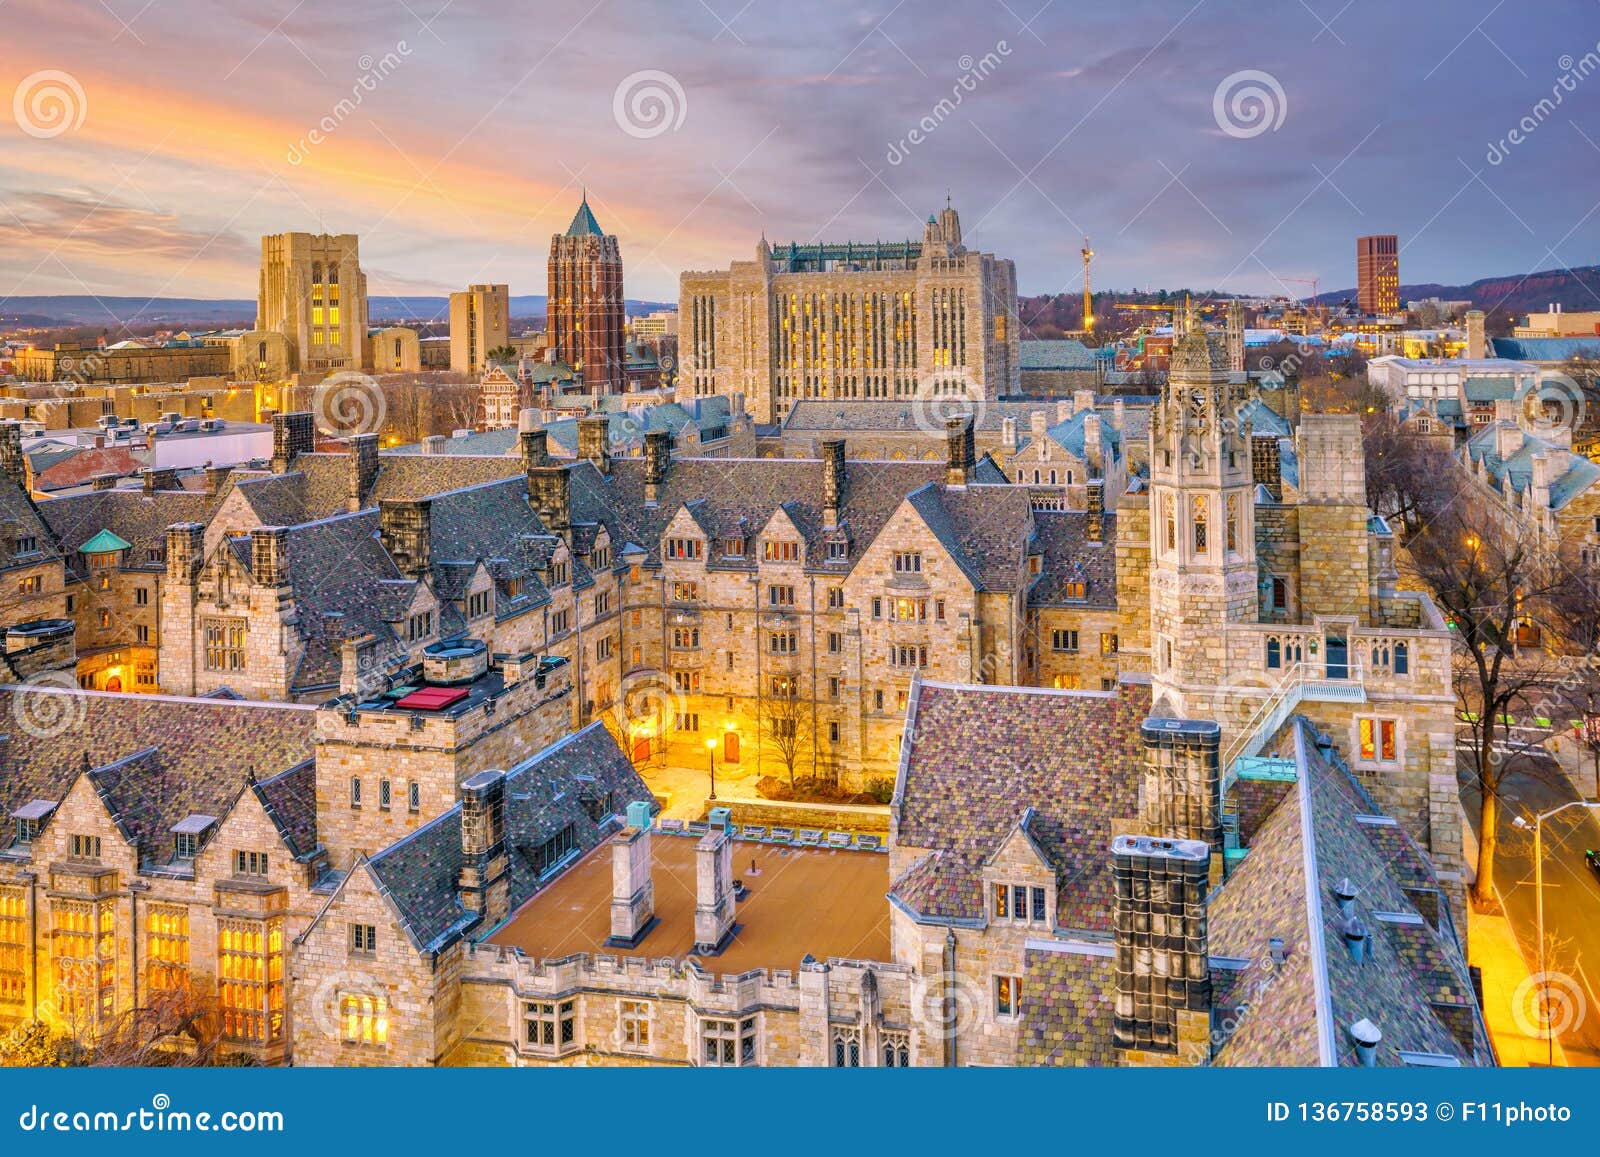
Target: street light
[711,754]
[1538,901]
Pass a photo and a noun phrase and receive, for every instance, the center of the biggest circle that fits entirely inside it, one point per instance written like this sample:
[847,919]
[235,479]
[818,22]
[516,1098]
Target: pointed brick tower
[585,311]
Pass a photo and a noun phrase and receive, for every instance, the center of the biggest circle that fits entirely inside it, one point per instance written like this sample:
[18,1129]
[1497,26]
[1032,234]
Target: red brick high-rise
[585,311]
[1378,274]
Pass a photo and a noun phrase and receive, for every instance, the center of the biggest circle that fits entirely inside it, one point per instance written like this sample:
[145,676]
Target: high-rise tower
[314,293]
[585,311]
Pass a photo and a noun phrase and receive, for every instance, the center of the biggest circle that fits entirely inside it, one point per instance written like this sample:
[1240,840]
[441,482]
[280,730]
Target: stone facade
[931,321]
[480,320]
[314,293]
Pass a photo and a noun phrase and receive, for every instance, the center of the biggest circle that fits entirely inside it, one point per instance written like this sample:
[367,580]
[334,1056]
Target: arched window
[1274,654]
[1172,522]
[1402,659]
[1200,516]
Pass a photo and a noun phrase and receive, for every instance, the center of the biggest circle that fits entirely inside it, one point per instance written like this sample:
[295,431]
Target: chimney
[657,454]
[1091,443]
[1235,336]
[594,441]
[361,470]
[1008,433]
[160,478]
[1117,409]
[962,453]
[1344,895]
[358,669]
[484,881]
[1183,780]
[1082,400]
[269,563]
[406,528]
[1064,410]
[1163,969]
[1095,508]
[12,463]
[103,482]
[1477,343]
[833,482]
[216,479]
[186,552]
[1366,1037]
[713,892]
[292,435]
[434,444]
[534,442]
[1507,434]
[1038,423]
[633,893]
[550,491]
[1541,479]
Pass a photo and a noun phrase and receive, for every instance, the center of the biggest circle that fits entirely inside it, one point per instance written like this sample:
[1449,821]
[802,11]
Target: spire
[583,222]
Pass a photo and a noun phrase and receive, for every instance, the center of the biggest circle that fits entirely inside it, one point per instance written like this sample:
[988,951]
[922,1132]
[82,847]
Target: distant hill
[197,311]
[1572,289]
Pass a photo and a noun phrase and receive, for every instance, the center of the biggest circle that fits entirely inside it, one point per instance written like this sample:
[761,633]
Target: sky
[1230,144]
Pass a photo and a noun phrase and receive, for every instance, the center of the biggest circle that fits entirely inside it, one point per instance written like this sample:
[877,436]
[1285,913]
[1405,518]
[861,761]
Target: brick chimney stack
[406,528]
[362,471]
[292,435]
[963,457]
[633,893]
[594,441]
[833,482]
[1477,342]
[1094,522]
[269,564]
[1183,780]
[12,463]
[484,881]
[1162,1013]
[713,892]
[550,491]
[657,456]
[186,552]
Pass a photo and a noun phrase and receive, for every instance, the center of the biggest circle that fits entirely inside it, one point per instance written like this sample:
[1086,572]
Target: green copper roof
[104,543]
[583,223]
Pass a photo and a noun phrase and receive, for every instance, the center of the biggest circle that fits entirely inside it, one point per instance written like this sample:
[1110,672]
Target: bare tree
[1408,476]
[1491,579]
[786,728]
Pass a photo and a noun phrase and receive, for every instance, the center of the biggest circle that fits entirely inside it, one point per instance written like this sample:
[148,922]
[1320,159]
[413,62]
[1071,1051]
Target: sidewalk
[1510,999]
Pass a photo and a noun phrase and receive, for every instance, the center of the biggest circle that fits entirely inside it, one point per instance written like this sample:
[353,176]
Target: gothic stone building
[859,320]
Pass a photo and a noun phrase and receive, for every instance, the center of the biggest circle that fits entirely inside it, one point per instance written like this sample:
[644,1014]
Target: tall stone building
[585,312]
[314,295]
[900,319]
[480,320]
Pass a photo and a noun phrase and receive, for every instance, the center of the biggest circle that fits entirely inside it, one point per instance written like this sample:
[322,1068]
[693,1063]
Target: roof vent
[1355,938]
[1278,951]
[1367,1037]
[1344,894]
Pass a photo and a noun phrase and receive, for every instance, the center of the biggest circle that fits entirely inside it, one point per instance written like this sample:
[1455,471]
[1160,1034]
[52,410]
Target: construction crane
[1315,293]
[1088,296]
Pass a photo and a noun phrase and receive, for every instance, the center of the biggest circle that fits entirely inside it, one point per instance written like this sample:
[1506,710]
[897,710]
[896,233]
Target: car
[1592,858]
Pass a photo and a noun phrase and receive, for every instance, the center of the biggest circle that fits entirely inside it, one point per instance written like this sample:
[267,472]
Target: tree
[501,355]
[1408,476]
[786,726]
[35,1045]
[1491,578]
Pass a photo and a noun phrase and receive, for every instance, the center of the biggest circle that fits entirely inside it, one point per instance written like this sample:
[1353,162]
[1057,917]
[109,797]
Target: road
[1532,784]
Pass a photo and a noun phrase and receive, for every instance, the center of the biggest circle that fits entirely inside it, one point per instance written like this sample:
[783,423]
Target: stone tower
[585,309]
[314,294]
[1203,555]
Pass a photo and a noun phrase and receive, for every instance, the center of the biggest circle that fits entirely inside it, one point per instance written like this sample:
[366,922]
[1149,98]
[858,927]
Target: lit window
[1378,740]
[1008,996]
[364,1020]
[635,1024]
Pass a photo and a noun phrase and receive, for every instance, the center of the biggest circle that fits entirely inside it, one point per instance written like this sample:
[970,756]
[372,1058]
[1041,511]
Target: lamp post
[1538,904]
[711,754]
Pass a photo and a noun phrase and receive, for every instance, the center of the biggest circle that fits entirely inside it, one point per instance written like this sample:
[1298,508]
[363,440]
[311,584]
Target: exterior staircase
[1302,683]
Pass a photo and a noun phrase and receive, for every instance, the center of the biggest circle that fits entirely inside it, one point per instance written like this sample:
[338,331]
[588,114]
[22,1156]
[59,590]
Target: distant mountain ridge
[1571,289]
[84,309]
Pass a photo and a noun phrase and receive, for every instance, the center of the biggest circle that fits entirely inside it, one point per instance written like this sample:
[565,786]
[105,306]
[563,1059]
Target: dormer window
[189,833]
[778,550]
[684,548]
[838,551]
[600,559]
[30,819]
[733,547]
[27,544]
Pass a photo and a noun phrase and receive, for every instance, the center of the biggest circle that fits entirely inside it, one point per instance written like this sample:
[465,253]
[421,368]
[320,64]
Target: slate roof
[135,517]
[901,416]
[583,222]
[155,759]
[543,794]
[1570,474]
[1065,354]
[979,756]
[1546,349]
[21,518]
[1070,557]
